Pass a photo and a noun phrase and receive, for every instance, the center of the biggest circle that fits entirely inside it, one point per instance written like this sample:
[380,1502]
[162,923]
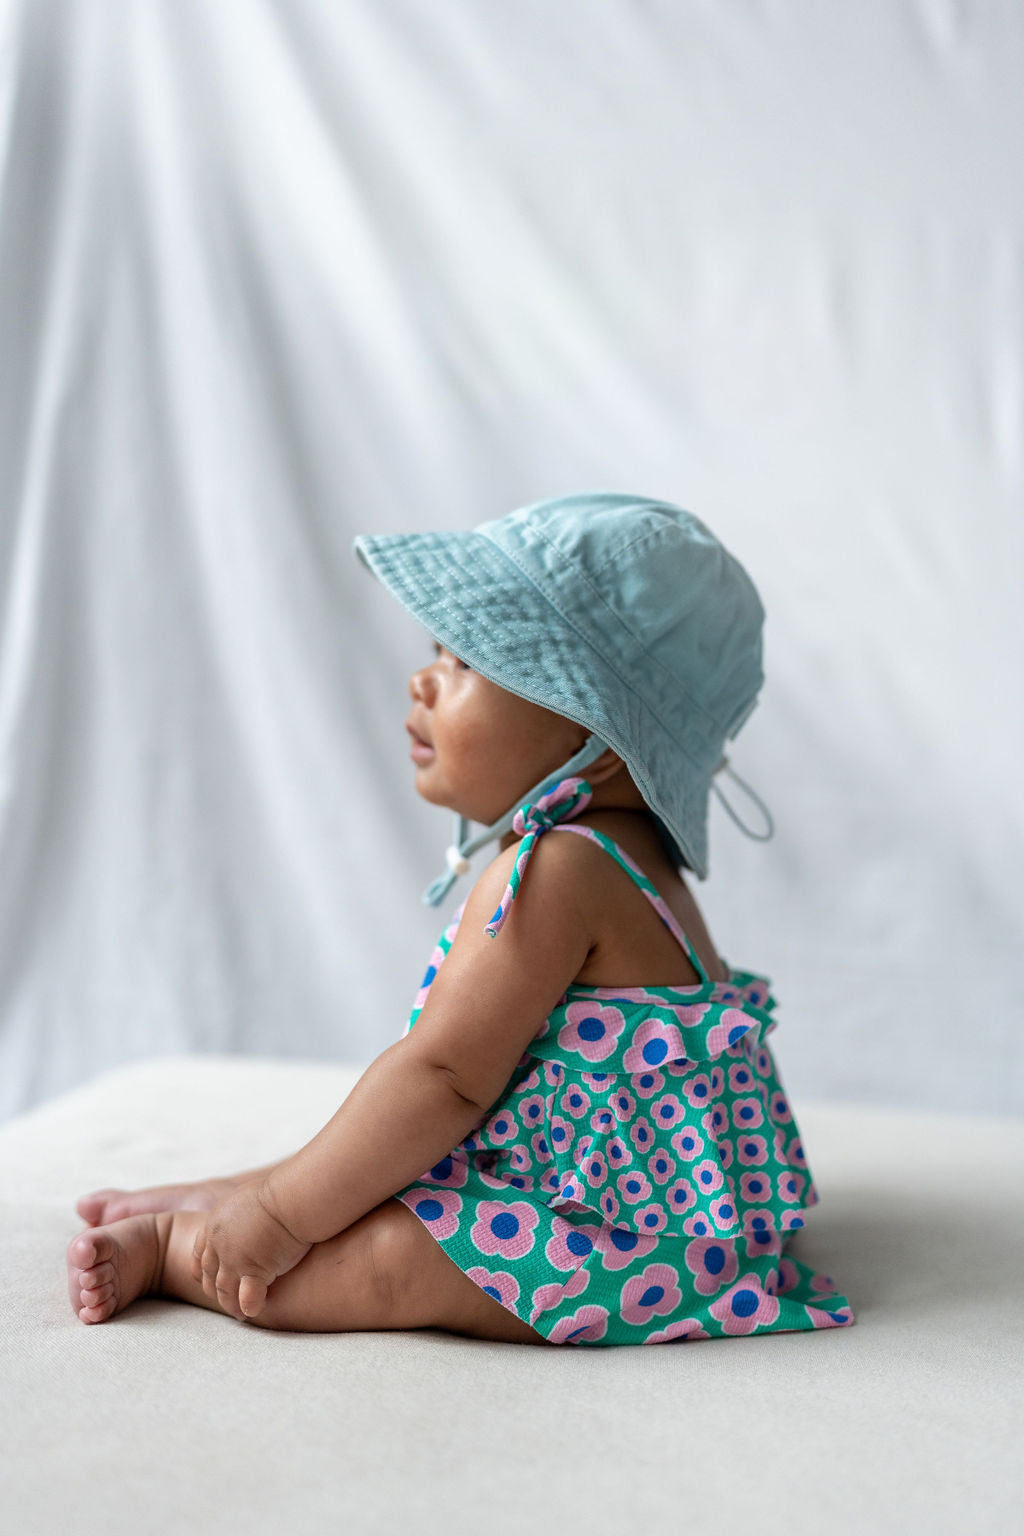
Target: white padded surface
[172,1418]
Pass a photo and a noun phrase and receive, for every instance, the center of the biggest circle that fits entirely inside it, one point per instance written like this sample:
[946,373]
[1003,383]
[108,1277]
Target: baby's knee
[356,1280]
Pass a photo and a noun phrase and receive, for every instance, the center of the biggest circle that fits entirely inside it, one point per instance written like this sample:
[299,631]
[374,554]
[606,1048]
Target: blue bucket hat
[623,614]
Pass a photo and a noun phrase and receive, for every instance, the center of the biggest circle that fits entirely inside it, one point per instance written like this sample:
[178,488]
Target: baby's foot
[110,1266]
[106,1205]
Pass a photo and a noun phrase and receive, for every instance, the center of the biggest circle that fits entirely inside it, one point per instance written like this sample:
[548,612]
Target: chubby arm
[428,1091]
[402,1117]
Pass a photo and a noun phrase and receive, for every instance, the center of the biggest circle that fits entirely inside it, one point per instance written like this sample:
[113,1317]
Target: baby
[582,1136]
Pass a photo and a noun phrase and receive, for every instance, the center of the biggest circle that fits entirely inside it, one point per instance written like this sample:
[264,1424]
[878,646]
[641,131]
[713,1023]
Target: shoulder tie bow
[566,800]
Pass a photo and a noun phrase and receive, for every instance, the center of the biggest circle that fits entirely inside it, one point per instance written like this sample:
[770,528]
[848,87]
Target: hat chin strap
[458,854]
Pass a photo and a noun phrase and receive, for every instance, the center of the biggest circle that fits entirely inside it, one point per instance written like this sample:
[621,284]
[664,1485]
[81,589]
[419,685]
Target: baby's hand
[241,1250]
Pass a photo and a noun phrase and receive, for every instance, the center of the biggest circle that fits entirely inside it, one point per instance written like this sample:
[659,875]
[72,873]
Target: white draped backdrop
[277,272]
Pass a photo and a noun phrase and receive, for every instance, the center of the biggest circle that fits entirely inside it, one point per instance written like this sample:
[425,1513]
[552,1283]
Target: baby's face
[485,747]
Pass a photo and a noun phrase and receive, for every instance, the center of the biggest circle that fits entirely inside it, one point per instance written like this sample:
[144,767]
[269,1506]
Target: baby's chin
[459,805]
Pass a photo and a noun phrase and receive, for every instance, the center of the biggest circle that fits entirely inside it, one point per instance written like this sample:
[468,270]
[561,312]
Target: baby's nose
[421,684]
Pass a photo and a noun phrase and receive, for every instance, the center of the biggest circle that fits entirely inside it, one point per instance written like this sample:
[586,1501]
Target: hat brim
[476,601]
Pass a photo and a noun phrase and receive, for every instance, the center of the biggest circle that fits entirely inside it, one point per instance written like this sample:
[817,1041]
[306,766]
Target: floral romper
[638,1180]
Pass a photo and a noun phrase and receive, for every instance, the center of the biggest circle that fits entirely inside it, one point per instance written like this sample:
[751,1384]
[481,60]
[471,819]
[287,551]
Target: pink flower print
[723,1212]
[529,1082]
[641,1134]
[755,1187]
[438,1209]
[745,1306]
[698,1090]
[656,1042]
[602,1120]
[591,1029]
[667,1111]
[680,1067]
[716,1077]
[752,1150]
[661,1167]
[747,1113]
[688,1142]
[582,1147]
[647,1084]
[789,1220]
[824,1285]
[561,1134]
[633,1186]
[552,1181]
[552,1295]
[504,1227]
[450,1170]
[788,1276]
[609,1205]
[574,1101]
[841,1318]
[594,1169]
[531,1110]
[519,1158]
[598,1080]
[763,1061]
[588,1324]
[677,1333]
[779,1145]
[698,1225]
[795,1153]
[741,1079]
[501,1285]
[650,1219]
[501,1127]
[624,1104]
[759,1226]
[726,1151]
[617,1153]
[653,1293]
[621,1246]
[436,957]
[712,1263]
[707,1176]
[680,1197]
[571,1193]
[569,1245]
[491,1179]
[714,1120]
[553,1073]
[731,1025]
[541,1147]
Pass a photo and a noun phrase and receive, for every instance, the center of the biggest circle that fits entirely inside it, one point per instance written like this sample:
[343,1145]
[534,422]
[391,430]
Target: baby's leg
[384,1271]
[103,1206]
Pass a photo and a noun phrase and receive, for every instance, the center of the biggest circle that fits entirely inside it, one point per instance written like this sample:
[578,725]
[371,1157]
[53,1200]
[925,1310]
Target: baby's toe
[96,1295]
[91,1207]
[97,1275]
[97,1314]
[90,1248]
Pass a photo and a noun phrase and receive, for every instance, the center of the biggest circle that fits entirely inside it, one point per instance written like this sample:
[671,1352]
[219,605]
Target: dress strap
[566,798]
[658,902]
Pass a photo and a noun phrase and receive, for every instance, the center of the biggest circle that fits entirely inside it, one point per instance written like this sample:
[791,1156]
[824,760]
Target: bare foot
[109,1267]
[106,1205]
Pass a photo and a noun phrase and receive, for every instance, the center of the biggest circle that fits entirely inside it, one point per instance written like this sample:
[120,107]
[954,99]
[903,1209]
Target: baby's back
[632,945]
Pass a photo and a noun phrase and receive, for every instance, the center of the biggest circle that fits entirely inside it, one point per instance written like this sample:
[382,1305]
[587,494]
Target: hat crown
[663,575]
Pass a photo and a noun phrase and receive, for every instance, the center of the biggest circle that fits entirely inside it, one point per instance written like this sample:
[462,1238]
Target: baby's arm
[427,1092]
